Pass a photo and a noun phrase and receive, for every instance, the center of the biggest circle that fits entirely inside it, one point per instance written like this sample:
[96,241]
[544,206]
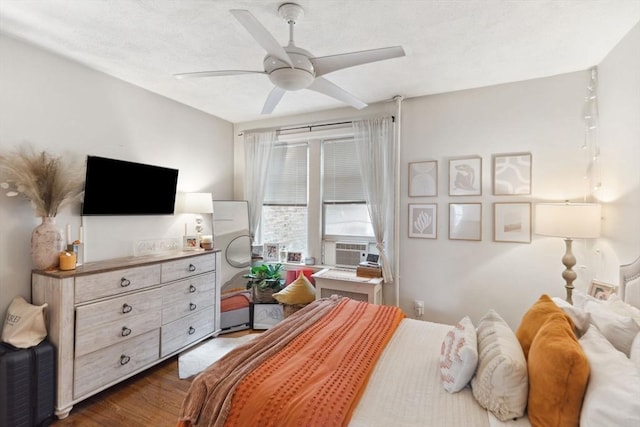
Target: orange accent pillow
[558,375]
[533,319]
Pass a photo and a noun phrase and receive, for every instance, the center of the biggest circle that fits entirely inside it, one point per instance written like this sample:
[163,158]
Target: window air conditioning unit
[350,254]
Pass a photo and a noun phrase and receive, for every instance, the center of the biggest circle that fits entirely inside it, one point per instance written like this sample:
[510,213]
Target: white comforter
[405,388]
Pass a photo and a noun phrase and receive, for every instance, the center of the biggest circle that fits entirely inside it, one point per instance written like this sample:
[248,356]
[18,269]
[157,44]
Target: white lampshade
[568,220]
[197,203]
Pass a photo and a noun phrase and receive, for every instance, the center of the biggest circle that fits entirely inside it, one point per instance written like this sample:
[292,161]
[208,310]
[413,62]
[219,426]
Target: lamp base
[569,260]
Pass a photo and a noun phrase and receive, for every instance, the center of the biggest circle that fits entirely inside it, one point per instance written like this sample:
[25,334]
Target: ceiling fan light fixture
[291,78]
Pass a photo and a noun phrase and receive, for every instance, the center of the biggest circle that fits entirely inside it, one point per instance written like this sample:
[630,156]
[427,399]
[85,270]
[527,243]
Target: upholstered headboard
[629,289]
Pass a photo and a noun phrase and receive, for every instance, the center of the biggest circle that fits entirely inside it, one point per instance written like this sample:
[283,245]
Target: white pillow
[634,355]
[613,393]
[458,356]
[500,384]
[580,299]
[580,318]
[615,304]
[619,330]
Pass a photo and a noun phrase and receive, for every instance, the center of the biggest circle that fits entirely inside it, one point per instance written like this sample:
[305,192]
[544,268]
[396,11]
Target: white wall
[543,117]
[62,107]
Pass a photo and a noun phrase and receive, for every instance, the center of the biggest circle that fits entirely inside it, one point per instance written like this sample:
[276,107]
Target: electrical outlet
[418,308]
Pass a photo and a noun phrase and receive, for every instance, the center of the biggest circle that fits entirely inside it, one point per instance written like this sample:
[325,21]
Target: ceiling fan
[292,68]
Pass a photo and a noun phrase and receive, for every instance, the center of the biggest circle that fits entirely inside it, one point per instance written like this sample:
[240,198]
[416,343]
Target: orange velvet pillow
[534,318]
[558,375]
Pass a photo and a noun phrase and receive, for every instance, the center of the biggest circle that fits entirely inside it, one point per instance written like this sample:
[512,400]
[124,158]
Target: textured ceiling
[450,44]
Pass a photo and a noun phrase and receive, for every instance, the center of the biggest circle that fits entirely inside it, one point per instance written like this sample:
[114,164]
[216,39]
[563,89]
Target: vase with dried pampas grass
[50,183]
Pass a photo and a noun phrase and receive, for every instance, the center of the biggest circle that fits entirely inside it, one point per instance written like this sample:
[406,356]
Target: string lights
[591,147]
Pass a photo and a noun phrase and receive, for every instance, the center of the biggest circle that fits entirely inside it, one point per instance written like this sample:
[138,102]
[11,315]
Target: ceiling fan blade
[327,64]
[324,86]
[261,35]
[272,100]
[215,73]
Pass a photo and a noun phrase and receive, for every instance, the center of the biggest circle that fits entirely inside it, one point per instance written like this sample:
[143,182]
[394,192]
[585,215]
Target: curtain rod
[310,127]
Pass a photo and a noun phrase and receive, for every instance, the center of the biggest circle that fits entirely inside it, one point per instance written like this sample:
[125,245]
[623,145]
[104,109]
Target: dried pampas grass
[49,182]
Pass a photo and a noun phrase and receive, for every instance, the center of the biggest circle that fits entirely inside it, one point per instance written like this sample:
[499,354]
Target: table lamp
[195,203]
[571,221]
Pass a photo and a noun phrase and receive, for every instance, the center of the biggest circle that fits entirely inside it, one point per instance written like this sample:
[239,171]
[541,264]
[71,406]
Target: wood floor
[150,399]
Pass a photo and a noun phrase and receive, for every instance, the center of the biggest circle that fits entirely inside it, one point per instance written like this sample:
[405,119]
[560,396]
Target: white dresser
[111,319]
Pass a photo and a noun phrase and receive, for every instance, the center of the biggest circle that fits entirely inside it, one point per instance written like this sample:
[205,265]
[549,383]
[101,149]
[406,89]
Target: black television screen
[118,187]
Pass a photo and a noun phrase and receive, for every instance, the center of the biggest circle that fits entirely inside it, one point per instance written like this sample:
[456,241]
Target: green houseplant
[264,281]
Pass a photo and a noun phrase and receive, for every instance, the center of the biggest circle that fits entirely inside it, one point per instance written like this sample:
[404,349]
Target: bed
[345,362]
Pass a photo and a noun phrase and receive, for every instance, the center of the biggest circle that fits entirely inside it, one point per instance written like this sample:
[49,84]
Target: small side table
[331,281]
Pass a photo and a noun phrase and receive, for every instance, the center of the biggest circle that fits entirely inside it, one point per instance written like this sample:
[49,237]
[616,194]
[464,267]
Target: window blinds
[287,176]
[342,182]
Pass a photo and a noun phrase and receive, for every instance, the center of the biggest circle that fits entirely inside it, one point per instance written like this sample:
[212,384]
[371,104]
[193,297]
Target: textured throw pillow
[300,291]
[615,304]
[613,394]
[580,318]
[533,319]
[618,329]
[500,384]
[558,374]
[458,356]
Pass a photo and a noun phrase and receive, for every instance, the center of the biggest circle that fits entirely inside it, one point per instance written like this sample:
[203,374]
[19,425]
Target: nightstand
[331,281]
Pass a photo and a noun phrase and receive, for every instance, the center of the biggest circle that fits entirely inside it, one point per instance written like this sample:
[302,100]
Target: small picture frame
[465,221]
[465,176]
[512,174]
[512,222]
[294,257]
[256,251]
[600,290]
[423,179]
[423,221]
[265,315]
[271,252]
[190,243]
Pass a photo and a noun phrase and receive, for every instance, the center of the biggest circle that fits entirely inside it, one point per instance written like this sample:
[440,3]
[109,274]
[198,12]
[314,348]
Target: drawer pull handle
[126,308]
[192,330]
[192,289]
[124,282]
[192,267]
[124,359]
[192,306]
[126,331]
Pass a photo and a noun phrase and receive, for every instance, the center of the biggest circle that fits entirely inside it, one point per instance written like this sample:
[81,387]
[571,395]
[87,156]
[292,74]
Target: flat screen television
[118,187]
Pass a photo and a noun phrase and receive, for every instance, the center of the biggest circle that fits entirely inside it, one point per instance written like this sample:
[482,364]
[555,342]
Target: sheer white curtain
[376,149]
[258,147]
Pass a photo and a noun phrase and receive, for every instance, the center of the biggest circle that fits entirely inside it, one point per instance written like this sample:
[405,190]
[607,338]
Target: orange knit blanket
[316,378]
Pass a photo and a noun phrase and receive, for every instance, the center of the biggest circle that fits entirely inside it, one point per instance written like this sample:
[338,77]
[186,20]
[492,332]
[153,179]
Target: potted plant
[264,281]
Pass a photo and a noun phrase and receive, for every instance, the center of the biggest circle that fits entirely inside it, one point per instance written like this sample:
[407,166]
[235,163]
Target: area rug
[197,359]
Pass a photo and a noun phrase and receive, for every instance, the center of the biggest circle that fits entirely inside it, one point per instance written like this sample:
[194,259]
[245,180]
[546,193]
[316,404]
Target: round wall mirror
[238,252]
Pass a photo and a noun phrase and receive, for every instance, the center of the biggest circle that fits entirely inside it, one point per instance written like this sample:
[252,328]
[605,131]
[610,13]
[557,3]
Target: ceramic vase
[46,244]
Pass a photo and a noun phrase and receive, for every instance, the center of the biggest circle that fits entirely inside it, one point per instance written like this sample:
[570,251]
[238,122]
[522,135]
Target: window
[345,210]
[313,194]
[284,210]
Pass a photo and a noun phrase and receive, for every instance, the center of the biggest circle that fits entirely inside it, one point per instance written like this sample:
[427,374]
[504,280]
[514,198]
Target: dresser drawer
[186,330]
[187,267]
[113,283]
[112,363]
[187,296]
[105,323]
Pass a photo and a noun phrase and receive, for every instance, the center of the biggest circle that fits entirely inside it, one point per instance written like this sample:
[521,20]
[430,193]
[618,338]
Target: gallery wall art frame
[512,174]
[465,176]
[423,178]
[512,222]
[423,220]
[465,221]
